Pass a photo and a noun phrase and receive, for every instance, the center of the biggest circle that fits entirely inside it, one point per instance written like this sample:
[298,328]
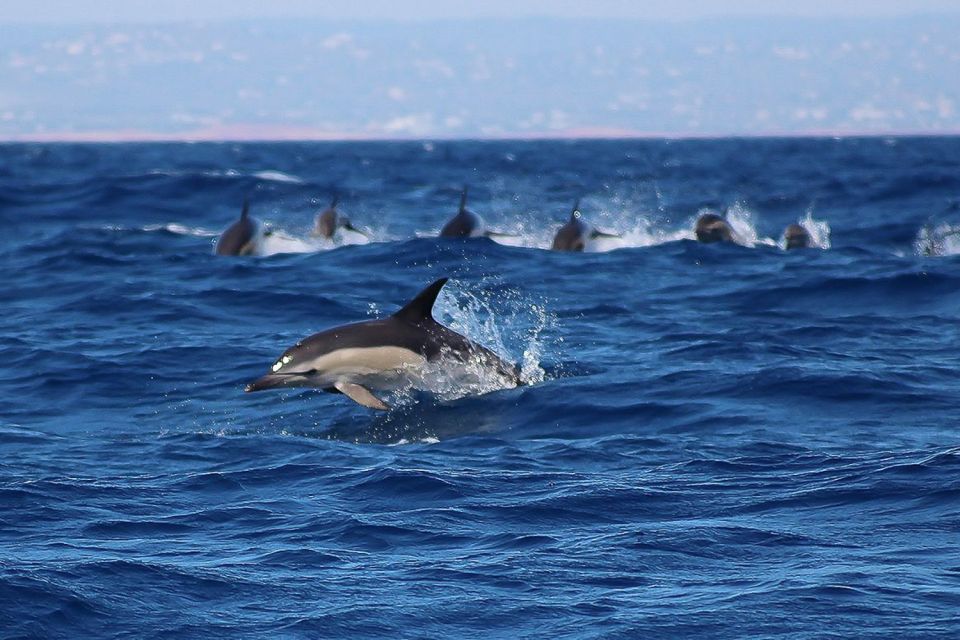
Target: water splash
[169,227]
[819,231]
[507,323]
[267,175]
[744,227]
[619,217]
[281,240]
[940,240]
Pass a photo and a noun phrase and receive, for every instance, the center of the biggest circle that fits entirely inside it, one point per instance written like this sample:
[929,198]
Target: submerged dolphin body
[796,237]
[380,355]
[712,228]
[576,234]
[240,238]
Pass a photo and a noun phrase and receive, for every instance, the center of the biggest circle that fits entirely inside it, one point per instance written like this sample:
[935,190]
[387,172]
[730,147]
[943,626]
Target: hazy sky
[77,11]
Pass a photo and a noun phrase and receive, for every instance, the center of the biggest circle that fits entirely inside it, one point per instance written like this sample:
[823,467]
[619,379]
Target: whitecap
[277,176]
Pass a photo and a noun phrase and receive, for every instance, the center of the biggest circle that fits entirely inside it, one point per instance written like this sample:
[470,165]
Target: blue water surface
[716,441]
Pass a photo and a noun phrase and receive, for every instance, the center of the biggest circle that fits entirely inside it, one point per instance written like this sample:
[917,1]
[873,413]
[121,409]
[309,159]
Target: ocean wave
[744,436]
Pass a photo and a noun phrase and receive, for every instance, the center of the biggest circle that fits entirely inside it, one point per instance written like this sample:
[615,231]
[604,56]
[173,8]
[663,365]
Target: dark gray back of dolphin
[463,225]
[327,221]
[573,235]
[239,239]
[796,237]
[712,228]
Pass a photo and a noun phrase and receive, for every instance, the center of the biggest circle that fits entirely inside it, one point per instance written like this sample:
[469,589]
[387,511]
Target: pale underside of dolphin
[361,359]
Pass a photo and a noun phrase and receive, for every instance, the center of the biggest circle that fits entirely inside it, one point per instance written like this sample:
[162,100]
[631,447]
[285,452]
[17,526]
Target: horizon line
[240,134]
[921,13]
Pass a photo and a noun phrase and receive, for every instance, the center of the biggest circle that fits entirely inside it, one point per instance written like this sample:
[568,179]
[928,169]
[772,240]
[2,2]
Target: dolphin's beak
[268,381]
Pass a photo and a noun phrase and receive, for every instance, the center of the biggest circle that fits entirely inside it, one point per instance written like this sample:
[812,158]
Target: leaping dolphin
[576,234]
[380,355]
[240,238]
[329,220]
[467,224]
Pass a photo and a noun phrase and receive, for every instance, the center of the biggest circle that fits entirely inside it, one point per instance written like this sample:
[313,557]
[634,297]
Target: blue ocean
[715,441]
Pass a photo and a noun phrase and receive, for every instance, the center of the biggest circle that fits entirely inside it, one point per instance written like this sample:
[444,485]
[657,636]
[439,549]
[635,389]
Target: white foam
[509,324]
[513,333]
[941,240]
[819,231]
[280,240]
[744,228]
[277,176]
[183,230]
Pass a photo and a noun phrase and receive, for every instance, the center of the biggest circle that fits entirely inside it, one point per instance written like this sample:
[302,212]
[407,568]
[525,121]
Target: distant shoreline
[270,134]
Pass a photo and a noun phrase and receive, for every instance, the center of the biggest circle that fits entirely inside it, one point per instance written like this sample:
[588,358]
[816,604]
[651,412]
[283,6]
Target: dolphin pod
[243,236]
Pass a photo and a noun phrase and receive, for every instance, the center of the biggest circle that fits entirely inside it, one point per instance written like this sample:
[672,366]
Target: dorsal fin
[575,210]
[420,308]
[463,200]
[246,209]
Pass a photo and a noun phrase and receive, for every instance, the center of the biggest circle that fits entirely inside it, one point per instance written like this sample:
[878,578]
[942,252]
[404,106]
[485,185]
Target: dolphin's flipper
[349,227]
[361,395]
[602,234]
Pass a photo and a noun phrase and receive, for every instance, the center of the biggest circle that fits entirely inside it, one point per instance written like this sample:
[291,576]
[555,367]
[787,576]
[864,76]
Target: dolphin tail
[421,307]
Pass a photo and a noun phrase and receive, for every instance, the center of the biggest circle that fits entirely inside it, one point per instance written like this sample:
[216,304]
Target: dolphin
[796,237]
[467,224]
[576,233]
[240,238]
[330,220]
[360,359]
[712,228]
